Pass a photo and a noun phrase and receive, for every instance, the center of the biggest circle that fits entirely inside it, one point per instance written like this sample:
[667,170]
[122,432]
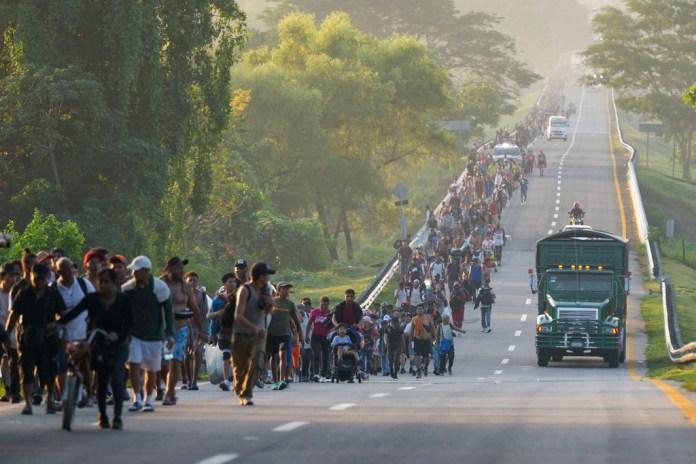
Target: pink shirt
[317,316]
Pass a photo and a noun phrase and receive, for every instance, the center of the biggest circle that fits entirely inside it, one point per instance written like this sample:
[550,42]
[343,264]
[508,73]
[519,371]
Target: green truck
[583,281]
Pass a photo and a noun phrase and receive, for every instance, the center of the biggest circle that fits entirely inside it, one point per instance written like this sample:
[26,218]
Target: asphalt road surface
[497,407]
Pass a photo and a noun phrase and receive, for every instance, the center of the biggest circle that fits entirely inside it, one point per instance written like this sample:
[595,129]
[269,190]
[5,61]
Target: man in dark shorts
[422,336]
[279,339]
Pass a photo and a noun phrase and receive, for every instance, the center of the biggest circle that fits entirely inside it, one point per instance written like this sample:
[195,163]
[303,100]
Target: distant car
[571,109]
[507,151]
[557,128]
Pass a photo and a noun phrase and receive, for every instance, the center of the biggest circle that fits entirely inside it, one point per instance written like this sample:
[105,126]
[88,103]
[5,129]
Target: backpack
[486,297]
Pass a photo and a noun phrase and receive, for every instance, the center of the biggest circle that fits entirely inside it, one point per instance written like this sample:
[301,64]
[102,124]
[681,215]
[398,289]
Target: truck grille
[578,314]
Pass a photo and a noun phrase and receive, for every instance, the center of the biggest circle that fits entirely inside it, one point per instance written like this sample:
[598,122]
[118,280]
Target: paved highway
[498,407]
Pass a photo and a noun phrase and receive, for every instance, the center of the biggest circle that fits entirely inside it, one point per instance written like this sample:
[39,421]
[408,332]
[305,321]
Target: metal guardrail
[678,352]
[634,189]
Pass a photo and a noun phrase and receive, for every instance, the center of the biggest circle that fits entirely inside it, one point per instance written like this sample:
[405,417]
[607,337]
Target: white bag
[214,364]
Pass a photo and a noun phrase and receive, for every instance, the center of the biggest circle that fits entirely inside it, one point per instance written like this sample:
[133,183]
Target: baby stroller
[345,367]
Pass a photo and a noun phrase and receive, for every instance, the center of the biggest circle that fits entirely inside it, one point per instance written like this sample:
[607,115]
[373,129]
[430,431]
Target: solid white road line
[290,426]
[518,333]
[342,407]
[523,318]
[505,361]
[406,388]
[511,348]
[219,459]
[379,395]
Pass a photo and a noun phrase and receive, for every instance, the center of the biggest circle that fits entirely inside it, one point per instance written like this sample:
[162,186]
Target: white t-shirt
[77,328]
[401,296]
[5,314]
[305,335]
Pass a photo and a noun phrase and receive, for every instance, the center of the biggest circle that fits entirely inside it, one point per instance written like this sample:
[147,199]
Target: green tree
[108,106]
[690,96]
[43,233]
[646,54]
[334,114]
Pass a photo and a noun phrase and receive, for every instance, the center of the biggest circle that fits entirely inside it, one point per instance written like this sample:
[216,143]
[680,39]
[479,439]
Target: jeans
[385,358]
[307,359]
[394,354]
[321,347]
[115,374]
[486,316]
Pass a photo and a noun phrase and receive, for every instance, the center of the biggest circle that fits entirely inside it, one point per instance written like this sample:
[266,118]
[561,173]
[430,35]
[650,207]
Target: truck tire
[613,358]
[543,357]
[557,356]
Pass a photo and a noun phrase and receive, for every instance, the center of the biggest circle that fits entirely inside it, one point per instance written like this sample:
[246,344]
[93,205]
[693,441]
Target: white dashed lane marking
[219,459]
[553,224]
[379,395]
[498,372]
[528,301]
[341,407]
[550,232]
[505,361]
[523,318]
[290,426]
[518,333]
[511,348]
[406,388]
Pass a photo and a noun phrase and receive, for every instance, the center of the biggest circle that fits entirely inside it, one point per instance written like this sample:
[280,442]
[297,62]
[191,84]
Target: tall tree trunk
[346,232]
[321,212]
[685,148]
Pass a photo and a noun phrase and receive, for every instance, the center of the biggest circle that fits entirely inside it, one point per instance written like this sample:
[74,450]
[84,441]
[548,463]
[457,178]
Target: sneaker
[184,386]
[488,330]
[51,408]
[193,387]
[27,411]
[282,385]
[483,330]
[5,398]
[135,407]
[16,399]
[148,408]
[117,424]
[402,371]
[316,378]
[247,402]
[449,371]
[160,395]
[425,372]
[418,375]
[224,386]
[322,379]
[37,399]
[260,383]
[276,386]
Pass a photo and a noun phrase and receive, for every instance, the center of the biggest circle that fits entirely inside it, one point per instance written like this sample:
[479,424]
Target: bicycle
[73,384]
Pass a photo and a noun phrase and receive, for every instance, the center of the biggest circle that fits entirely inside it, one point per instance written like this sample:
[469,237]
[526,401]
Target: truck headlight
[543,328]
[611,330]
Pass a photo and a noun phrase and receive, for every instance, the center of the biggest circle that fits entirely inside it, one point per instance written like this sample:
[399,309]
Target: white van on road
[557,128]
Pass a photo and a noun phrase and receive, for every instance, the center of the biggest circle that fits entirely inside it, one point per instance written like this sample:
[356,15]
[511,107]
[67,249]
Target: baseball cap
[283,284]
[259,269]
[240,263]
[118,259]
[140,262]
[175,261]
[386,318]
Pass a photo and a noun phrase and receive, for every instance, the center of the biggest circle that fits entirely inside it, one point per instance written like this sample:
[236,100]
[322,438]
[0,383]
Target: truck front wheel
[613,358]
[543,356]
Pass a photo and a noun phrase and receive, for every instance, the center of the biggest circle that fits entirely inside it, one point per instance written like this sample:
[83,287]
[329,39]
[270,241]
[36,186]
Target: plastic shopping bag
[214,364]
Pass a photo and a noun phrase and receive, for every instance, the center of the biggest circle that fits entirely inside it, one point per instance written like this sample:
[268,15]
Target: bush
[289,243]
[44,233]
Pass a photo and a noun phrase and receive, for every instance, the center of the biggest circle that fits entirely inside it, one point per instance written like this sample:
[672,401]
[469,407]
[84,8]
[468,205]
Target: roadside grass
[665,196]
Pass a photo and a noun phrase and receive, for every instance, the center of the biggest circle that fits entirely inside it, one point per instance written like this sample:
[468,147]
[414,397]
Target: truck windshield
[558,122]
[576,282]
